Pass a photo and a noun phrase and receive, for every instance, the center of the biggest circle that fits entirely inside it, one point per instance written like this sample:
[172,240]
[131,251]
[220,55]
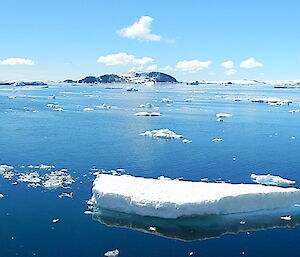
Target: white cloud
[227,64]
[140,30]
[192,65]
[17,61]
[167,68]
[250,63]
[230,72]
[123,59]
[152,67]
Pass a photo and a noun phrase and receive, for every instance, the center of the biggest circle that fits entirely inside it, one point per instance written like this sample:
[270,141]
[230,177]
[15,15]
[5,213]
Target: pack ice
[168,198]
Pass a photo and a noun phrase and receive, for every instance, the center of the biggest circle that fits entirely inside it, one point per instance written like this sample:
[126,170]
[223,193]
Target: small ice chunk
[162,133]
[191,253]
[223,115]
[187,141]
[271,180]
[220,119]
[4,168]
[189,100]
[55,220]
[68,195]
[103,106]
[147,105]
[286,218]
[217,140]
[293,111]
[166,100]
[88,212]
[148,114]
[58,109]
[1,196]
[152,228]
[52,105]
[46,167]
[88,109]
[112,253]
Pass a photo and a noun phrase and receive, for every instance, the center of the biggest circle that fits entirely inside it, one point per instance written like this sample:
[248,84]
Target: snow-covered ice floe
[161,133]
[5,168]
[272,180]
[148,114]
[166,198]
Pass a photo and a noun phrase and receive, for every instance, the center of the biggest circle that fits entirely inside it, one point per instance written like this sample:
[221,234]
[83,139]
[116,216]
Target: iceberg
[272,180]
[161,133]
[172,199]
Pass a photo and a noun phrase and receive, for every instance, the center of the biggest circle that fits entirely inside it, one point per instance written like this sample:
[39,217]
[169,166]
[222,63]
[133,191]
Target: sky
[191,39]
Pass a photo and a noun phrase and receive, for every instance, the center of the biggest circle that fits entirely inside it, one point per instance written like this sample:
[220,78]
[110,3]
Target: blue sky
[55,40]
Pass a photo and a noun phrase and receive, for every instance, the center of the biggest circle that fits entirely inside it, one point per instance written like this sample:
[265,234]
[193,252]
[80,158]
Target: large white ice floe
[223,115]
[272,180]
[174,198]
[161,133]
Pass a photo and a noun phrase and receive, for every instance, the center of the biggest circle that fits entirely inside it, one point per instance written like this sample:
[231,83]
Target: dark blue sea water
[258,136]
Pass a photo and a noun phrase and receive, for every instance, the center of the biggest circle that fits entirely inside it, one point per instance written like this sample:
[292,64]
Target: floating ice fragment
[189,100]
[55,220]
[147,105]
[4,168]
[148,114]
[286,218]
[174,198]
[103,106]
[152,228]
[166,100]
[217,140]
[58,109]
[112,253]
[33,177]
[293,111]
[220,119]
[67,195]
[88,109]
[161,133]
[88,212]
[191,253]
[52,105]
[271,180]
[223,115]
[186,141]
[46,167]
[1,196]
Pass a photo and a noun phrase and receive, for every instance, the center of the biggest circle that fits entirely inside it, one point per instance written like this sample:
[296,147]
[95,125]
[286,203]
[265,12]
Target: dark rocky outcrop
[89,79]
[70,81]
[111,78]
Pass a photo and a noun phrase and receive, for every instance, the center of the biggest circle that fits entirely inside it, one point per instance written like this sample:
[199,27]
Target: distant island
[135,77]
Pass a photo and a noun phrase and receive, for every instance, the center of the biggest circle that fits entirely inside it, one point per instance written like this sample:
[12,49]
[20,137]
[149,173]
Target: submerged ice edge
[173,198]
[200,227]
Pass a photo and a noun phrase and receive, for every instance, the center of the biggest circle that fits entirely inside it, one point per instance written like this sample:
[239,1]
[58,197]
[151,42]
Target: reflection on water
[200,228]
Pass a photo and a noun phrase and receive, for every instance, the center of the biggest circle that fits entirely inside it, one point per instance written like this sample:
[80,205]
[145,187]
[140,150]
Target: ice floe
[4,168]
[103,106]
[147,105]
[166,100]
[223,115]
[148,114]
[286,218]
[54,179]
[168,198]
[187,141]
[88,109]
[1,196]
[112,253]
[217,140]
[162,133]
[272,180]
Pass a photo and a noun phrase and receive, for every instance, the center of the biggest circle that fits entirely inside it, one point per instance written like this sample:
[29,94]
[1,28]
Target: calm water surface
[257,136]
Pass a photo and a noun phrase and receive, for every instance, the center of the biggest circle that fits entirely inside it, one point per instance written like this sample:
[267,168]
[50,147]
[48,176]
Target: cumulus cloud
[123,59]
[227,64]
[230,72]
[17,61]
[140,30]
[192,65]
[152,67]
[250,63]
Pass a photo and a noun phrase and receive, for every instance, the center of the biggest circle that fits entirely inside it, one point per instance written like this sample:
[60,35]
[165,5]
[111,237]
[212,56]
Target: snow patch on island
[168,198]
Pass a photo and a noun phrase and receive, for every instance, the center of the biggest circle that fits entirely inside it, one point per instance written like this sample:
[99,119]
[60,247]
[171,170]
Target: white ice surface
[168,198]
[161,133]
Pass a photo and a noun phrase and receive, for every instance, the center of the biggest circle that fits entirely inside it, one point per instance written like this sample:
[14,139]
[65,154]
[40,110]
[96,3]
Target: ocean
[259,138]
